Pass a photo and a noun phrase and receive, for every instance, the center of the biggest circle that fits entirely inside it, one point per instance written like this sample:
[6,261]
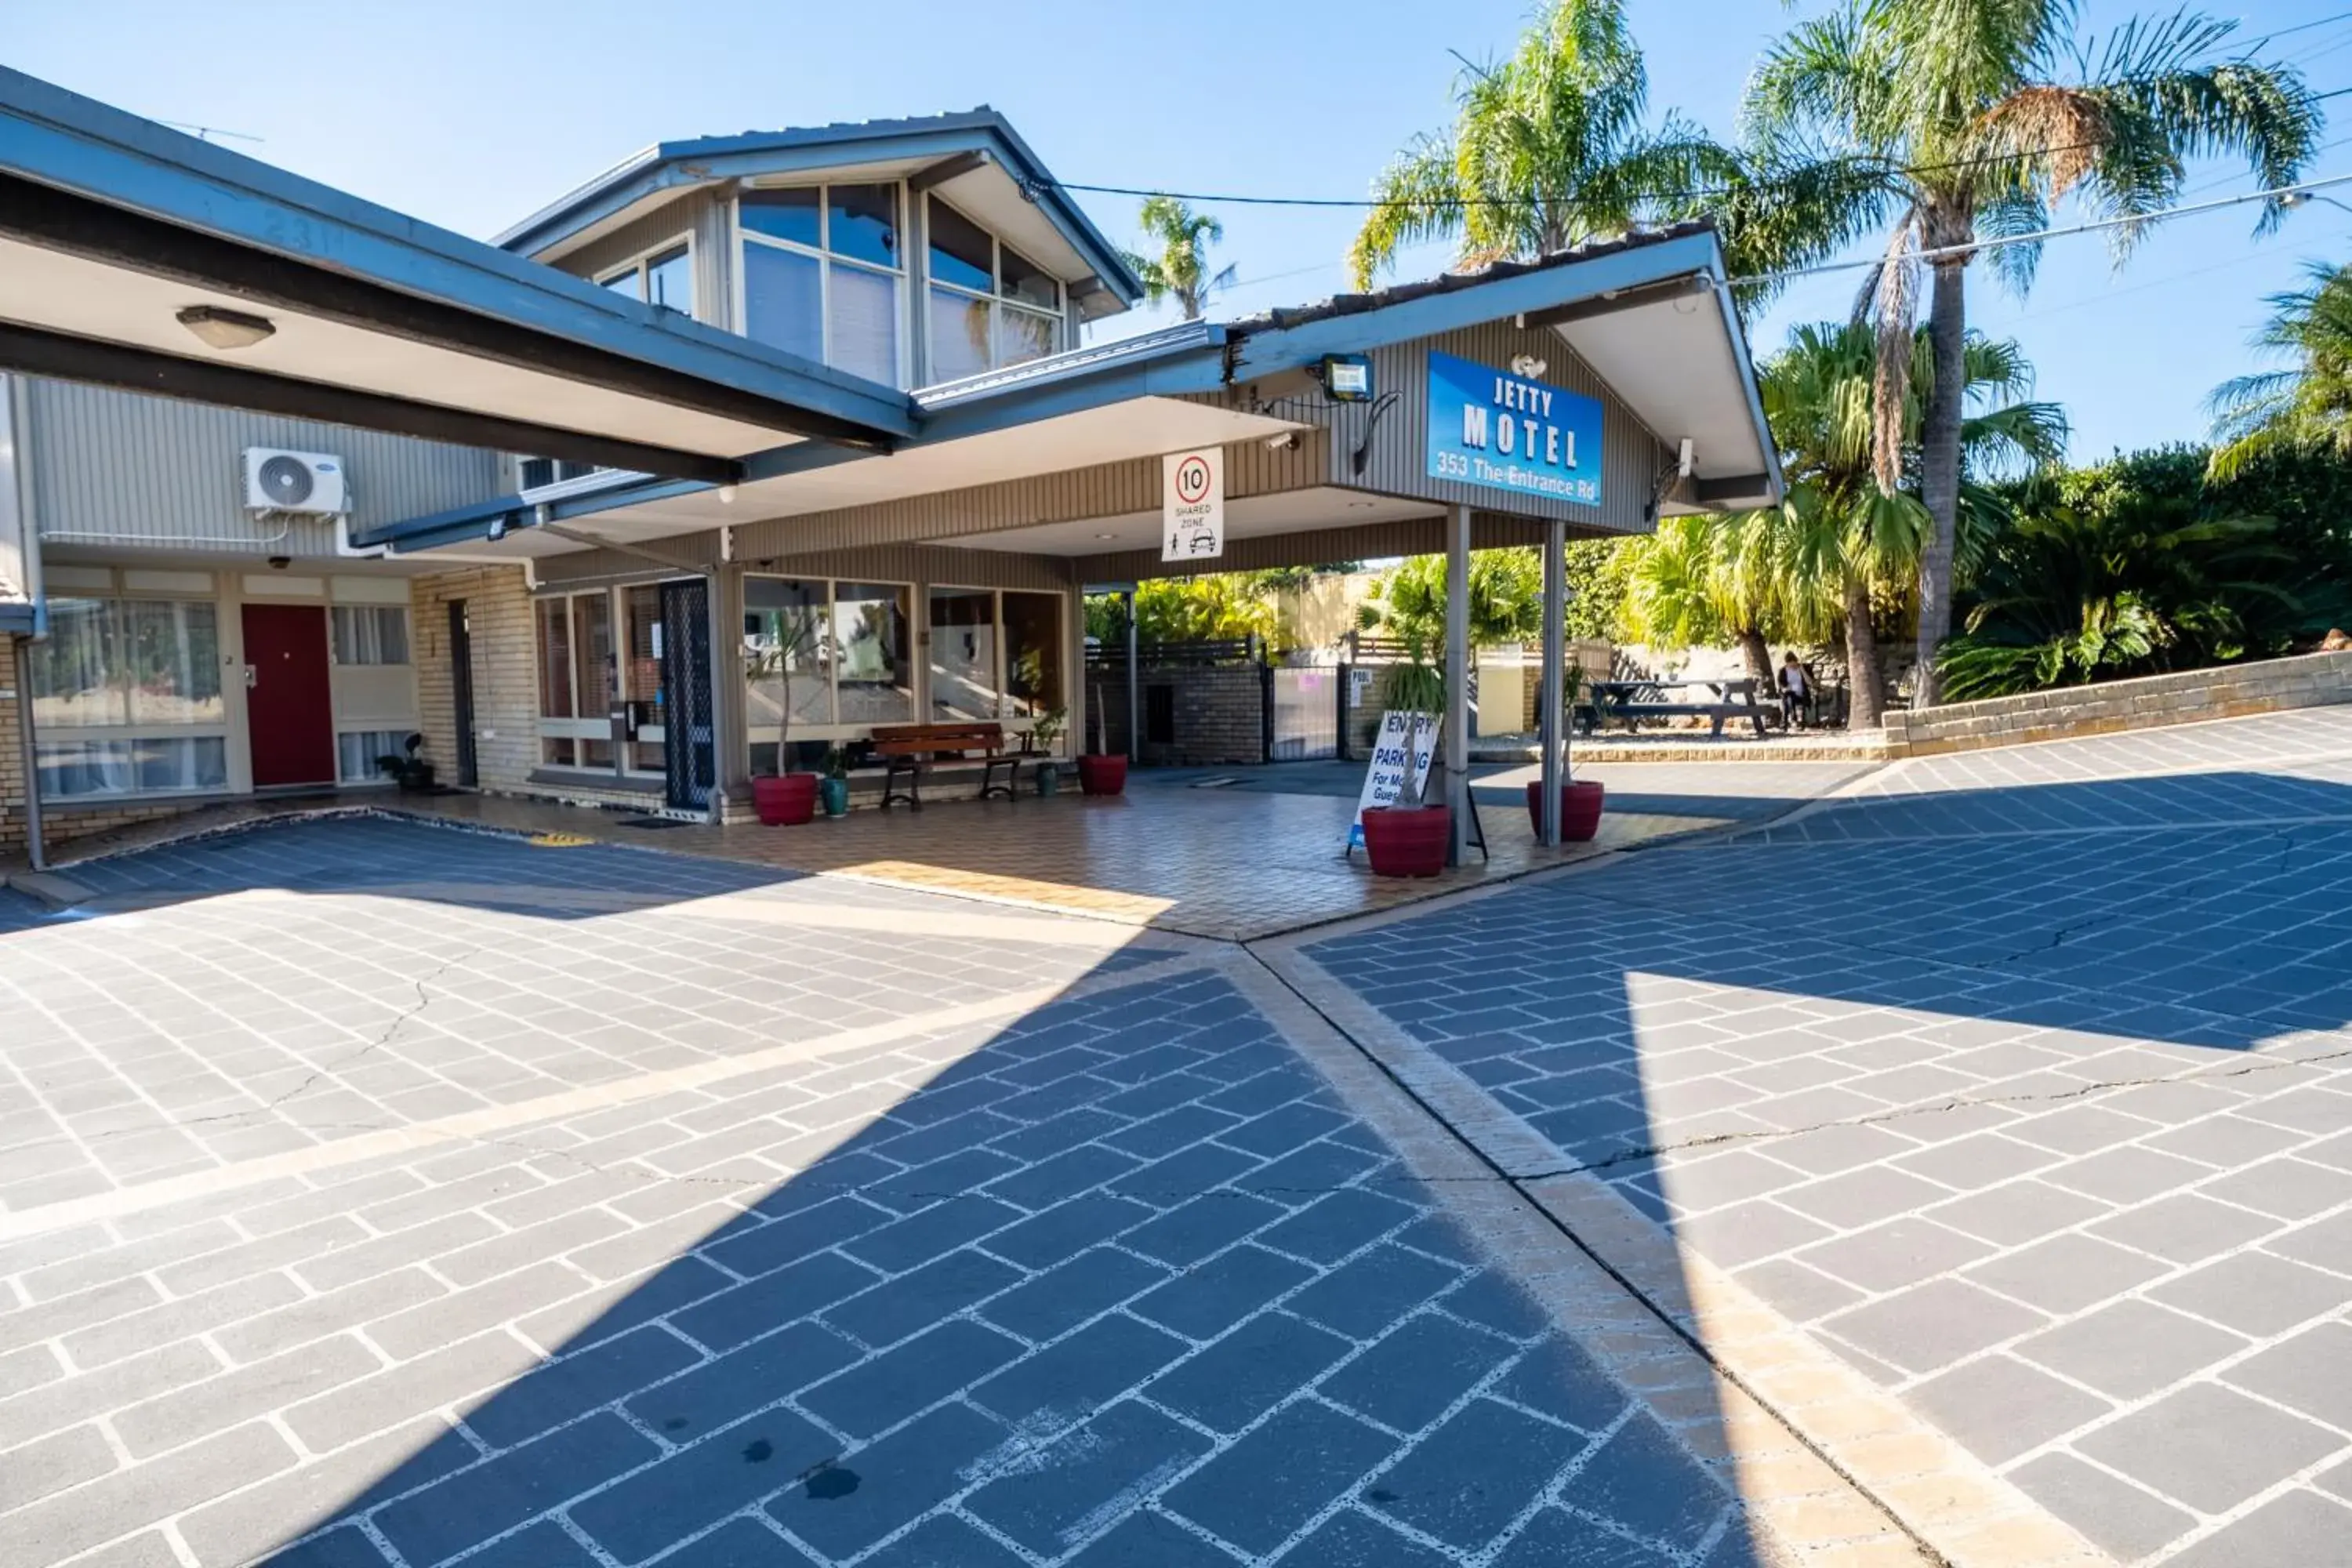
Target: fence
[1222,703]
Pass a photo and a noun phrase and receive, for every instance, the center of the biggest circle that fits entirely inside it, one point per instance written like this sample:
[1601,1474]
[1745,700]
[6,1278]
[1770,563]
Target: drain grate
[651,823]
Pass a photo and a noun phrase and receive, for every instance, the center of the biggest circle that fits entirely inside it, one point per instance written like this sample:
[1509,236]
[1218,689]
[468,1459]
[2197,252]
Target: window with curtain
[369,634]
[116,677]
[358,753]
[824,270]
[987,305]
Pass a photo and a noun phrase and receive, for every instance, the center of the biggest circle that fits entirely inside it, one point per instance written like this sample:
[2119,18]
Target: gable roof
[940,138]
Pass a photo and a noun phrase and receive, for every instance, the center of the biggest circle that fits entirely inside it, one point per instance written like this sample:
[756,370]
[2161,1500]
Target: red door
[289,709]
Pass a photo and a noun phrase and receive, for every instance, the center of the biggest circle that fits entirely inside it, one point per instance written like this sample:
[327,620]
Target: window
[599,689]
[1032,653]
[118,676]
[823,272]
[358,754]
[538,473]
[369,634]
[988,305]
[834,657]
[963,655]
[995,656]
[664,276]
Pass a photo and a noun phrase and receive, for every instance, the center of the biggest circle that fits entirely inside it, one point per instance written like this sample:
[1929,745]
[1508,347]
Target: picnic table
[1634,700]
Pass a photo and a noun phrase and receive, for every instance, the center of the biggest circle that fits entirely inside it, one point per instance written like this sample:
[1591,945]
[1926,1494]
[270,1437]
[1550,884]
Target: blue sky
[472,114]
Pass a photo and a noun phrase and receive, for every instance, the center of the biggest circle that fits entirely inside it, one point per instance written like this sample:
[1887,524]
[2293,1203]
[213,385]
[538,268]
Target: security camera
[1689,455]
[1286,442]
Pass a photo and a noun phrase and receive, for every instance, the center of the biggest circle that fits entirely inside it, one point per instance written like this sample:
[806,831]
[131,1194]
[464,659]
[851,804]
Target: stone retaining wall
[2306,680]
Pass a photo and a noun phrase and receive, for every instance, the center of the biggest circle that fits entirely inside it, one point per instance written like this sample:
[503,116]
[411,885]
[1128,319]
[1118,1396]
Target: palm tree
[1181,271]
[1959,122]
[2306,407]
[1852,543]
[1548,149]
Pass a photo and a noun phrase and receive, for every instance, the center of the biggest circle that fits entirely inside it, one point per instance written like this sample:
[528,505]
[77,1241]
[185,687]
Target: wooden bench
[911,747]
[1631,701]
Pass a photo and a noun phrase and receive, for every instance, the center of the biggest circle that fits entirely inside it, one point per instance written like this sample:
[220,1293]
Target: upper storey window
[989,306]
[823,272]
[664,276]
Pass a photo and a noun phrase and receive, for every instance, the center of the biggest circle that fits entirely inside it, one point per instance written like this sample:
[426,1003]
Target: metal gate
[1304,708]
[689,751]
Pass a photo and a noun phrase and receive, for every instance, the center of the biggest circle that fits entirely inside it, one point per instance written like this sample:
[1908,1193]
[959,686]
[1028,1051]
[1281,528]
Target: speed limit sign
[1192,505]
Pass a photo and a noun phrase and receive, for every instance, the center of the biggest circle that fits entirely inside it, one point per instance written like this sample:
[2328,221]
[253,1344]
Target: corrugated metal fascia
[1361,541]
[111,466]
[1397,463]
[1109,489]
[923,565]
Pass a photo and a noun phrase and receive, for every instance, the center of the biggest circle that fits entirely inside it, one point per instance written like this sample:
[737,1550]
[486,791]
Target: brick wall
[506,679]
[1220,714]
[2309,681]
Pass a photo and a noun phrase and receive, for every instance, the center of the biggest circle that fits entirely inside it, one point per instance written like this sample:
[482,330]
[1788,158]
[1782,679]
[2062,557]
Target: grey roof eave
[98,152]
[678,165]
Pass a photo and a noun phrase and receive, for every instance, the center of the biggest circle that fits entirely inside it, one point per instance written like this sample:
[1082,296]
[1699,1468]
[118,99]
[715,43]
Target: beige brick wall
[2307,680]
[13,782]
[505,681]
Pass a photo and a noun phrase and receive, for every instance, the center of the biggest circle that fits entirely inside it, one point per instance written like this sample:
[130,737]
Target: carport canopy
[136,257]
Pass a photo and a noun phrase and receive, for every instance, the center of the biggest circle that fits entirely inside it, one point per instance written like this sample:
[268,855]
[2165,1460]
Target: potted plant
[784,798]
[1102,771]
[1579,802]
[833,790]
[1044,736]
[1409,837]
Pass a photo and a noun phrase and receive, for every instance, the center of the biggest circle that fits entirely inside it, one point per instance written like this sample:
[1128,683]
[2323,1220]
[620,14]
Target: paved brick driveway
[2022,1079]
[381,1194]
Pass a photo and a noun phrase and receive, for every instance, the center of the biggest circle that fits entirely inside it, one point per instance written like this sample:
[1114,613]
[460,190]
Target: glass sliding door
[965,681]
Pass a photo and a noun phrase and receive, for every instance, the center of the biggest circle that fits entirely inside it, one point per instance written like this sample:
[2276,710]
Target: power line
[1998,242]
[1860,161]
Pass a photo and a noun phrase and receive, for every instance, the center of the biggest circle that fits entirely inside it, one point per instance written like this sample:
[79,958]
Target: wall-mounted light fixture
[220,329]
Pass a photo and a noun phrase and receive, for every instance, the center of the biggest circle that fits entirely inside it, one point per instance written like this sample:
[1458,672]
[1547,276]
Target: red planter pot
[1407,843]
[1100,773]
[1580,810]
[785,800]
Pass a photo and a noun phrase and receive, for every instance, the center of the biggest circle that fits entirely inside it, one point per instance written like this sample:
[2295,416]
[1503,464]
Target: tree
[1713,579]
[2306,407]
[1853,545]
[1181,271]
[1549,148]
[1959,122]
[1224,606]
[1506,596]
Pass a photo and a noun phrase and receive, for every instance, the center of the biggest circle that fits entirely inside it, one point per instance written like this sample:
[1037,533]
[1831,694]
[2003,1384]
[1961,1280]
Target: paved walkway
[1953,1168]
[382,1194]
[2020,1079]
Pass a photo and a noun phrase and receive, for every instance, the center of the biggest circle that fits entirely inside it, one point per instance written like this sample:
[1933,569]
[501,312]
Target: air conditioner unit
[294,481]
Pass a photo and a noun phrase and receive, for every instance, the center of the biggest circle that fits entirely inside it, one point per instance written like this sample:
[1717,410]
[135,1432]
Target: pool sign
[1506,432]
[1405,740]
[1192,505]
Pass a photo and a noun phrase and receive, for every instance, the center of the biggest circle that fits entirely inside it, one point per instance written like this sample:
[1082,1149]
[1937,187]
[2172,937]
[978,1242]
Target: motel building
[833,426]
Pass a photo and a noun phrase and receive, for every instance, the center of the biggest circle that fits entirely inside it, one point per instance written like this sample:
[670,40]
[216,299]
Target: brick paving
[382,1196]
[2020,1079]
